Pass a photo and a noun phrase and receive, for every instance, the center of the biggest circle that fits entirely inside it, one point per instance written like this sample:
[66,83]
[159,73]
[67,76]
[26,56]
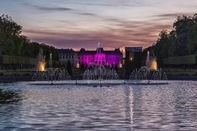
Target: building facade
[133,59]
[99,56]
[66,55]
[88,58]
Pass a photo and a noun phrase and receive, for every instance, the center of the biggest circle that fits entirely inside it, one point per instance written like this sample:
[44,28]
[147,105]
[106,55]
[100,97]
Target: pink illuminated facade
[109,58]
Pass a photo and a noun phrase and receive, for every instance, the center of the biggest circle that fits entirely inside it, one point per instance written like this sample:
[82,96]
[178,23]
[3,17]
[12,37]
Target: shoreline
[182,77]
[18,78]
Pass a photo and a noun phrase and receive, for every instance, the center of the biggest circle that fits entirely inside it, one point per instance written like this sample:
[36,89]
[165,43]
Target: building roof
[100,49]
[66,51]
[82,51]
[133,49]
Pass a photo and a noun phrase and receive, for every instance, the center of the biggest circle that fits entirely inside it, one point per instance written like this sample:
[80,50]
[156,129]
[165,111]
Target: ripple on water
[117,107]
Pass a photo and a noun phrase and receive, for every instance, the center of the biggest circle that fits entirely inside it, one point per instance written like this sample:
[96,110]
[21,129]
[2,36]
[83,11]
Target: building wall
[66,55]
[88,58]
[112,59]
[133,59]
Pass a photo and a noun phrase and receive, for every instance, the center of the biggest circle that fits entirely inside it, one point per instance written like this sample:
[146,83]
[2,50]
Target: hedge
[182,60]
[6,59]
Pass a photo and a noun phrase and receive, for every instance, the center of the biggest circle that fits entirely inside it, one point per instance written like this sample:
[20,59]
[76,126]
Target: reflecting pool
[121,107]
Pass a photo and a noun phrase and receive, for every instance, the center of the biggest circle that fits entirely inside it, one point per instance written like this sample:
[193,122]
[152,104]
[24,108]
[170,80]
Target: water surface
[118,107]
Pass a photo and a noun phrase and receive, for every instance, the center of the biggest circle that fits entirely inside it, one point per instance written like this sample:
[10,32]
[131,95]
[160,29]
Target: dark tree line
[180,41]
[69,68]
[12,42]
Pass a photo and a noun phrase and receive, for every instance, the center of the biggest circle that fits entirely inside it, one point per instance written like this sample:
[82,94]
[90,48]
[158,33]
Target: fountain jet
[50,61]
[41,61]
[151,61]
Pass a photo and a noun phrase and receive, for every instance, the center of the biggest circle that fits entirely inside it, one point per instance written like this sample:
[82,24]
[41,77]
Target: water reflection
[129,106]
[10,103]
[164,107]
[8,96]
[77,108]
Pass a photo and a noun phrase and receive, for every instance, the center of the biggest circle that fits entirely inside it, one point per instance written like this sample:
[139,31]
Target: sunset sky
[84,23]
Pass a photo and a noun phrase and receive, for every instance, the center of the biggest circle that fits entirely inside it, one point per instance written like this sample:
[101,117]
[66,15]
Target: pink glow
[112,59]
[100,58]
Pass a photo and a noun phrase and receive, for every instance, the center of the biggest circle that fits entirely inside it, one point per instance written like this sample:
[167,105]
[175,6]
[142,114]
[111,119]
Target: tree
[82,67]
[182,40]
[9,27]
[192,44]
[69,68]
[10,36]
[13,43]
[162,44]
[182,26]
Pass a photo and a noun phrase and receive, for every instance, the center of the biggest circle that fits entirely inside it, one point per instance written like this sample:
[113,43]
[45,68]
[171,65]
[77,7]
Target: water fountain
[51,74]
[149,71]
[145,73]
[50,60]
[41,61]
[151,61]
[48,74]
[95,74]
[100,72]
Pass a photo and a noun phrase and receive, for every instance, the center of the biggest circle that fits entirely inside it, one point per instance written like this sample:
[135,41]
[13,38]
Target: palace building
[66,55]
[88,58]
[99,56]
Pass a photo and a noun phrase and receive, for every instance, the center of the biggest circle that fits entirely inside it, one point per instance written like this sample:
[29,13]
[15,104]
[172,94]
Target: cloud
[86,14]
[111,31]
[171,16]
[47,8]
[42,8]
[107,3]
[59,9]
[114,23]
[124,33]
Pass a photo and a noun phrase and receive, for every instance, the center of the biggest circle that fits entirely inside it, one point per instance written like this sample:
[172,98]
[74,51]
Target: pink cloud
[125,34]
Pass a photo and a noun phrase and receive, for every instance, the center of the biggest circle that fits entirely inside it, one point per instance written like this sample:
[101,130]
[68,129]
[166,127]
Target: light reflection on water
[123,107]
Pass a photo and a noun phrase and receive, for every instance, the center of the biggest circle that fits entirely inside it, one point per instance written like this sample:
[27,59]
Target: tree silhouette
[13,43]
[69,68]
[181,41]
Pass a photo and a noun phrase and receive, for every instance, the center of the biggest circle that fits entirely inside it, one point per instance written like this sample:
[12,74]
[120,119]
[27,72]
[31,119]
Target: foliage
[180,60]
[69,68]
[7,59]
[12,42]
[181,41]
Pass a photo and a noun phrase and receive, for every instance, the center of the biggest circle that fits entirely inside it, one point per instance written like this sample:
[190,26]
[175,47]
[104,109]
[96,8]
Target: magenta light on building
[101,57]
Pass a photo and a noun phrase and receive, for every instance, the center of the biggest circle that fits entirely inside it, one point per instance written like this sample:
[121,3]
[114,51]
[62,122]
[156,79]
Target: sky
[83,23]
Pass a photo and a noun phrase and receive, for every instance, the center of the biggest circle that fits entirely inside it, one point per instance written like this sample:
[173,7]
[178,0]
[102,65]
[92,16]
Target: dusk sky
[84,23]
